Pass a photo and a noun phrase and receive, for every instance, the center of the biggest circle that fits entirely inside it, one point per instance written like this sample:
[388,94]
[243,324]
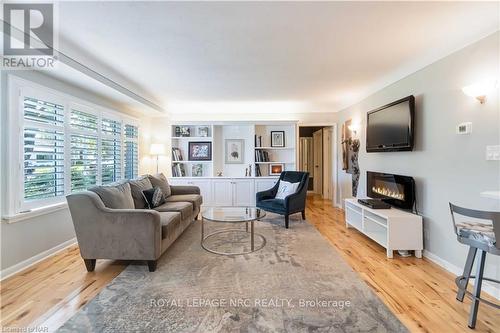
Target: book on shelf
[258,141]
[258,173]
[261,156]
[176,154]
[178,170]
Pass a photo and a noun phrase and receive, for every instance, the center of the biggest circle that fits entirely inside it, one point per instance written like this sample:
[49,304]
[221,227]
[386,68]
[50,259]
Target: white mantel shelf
[275,148]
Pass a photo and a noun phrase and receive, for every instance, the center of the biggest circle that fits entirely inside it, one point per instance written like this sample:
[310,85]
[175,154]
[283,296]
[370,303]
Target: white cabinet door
[222,192]
[205,186]
[243,192]
[265,184]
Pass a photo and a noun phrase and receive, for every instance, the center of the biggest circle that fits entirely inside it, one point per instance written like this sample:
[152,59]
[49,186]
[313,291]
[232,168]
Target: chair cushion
[159,180]
[154,197]
[285,189]
[195,199]
[481,232]
[275,205]
[137,186]
[169,222]
[185,208]
[115,195]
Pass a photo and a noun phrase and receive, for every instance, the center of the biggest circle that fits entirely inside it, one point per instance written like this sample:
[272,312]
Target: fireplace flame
[388,193]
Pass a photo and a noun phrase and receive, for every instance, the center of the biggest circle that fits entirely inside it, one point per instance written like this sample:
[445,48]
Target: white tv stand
[393,228]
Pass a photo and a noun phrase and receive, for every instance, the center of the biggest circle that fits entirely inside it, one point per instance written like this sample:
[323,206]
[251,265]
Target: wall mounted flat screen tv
[390,127]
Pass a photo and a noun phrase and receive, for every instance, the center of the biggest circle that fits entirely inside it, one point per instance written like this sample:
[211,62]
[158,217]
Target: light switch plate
[464,128]
[493,153]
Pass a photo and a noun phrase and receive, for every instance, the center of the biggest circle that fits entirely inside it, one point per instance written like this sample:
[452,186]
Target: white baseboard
[9,271]
[490,288]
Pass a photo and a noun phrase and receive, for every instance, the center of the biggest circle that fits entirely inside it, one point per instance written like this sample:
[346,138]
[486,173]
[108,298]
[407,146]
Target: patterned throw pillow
[285,189]
[154,197]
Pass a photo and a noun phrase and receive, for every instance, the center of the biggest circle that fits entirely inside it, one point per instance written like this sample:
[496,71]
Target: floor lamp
[157,149]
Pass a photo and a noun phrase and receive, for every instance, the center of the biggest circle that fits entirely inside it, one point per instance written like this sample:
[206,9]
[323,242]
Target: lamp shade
[157,149]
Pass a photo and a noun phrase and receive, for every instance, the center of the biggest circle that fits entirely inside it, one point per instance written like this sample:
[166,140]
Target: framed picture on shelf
[277,138]
[275,169]
[197,170]
[200,151]
[203,131]
[234,151]
[182,131]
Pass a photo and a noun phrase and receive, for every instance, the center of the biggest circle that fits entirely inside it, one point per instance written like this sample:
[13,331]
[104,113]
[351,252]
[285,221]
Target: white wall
[447,167]
[154,130]
[28,238]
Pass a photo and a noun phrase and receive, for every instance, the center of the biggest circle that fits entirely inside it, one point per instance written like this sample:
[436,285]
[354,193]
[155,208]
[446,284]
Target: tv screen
[390,127]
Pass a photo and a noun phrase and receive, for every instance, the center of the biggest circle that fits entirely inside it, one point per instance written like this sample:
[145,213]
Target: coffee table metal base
[252,239]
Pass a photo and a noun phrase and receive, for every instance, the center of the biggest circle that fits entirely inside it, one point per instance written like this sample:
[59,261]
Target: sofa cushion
[195,199]
[169,222]
[137,186]
[115,195]
[154,197]
[274,205]
[185,208]
[159,180]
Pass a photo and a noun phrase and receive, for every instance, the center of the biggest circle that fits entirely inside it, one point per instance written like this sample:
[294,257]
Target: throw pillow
[159,180]
[285,189]
[136,187]
[115,196]
[154,197]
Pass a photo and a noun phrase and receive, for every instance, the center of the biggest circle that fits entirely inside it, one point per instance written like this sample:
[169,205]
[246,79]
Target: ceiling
[278,57]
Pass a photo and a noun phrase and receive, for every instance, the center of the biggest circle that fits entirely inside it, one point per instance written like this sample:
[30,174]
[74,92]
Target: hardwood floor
[420,293]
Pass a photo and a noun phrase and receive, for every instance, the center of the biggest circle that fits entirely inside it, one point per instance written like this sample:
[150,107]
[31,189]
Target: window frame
[18,89]
[132,140]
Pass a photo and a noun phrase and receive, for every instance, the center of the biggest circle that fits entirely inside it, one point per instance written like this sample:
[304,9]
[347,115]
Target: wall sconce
[479,90]
[354,127]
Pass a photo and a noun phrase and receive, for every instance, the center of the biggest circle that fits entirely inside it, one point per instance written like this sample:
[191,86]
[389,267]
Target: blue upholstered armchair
[295,203]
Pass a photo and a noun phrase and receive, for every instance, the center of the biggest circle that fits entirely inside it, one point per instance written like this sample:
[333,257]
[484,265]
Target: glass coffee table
[233,216]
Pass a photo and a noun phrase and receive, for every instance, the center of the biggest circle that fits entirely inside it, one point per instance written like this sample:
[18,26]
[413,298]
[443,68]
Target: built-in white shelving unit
[276,156]
[233,187]
[257,141]
[182,135]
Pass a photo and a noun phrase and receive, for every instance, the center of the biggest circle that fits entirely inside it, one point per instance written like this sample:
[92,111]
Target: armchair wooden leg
[90,264]
[304,214]
[152,265]
[286,221]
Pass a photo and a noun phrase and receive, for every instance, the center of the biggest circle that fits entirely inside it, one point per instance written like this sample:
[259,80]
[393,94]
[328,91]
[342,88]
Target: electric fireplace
[396,190]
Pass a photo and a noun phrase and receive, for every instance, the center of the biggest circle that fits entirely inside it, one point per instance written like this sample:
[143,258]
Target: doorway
[316,157]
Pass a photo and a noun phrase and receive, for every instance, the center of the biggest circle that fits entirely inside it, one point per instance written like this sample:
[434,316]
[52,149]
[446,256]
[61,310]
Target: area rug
[296,283]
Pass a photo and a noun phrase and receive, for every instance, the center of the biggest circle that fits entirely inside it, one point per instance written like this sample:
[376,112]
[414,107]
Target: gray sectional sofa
[115,222]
